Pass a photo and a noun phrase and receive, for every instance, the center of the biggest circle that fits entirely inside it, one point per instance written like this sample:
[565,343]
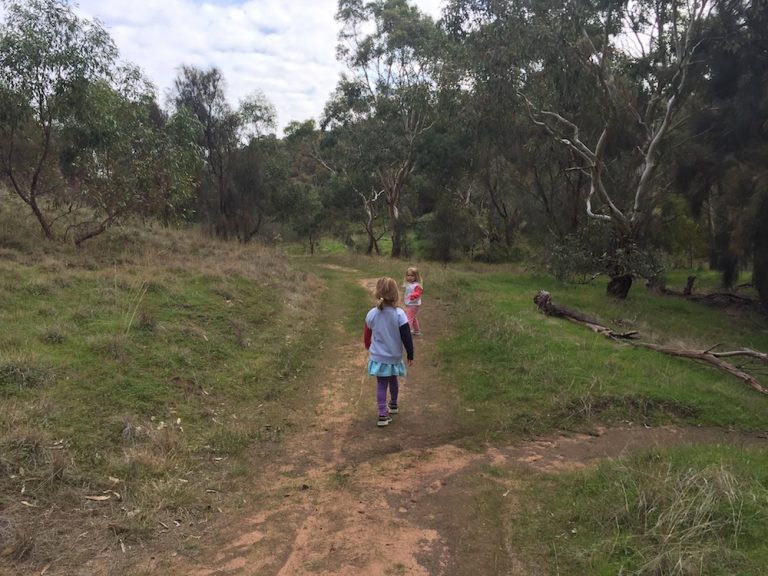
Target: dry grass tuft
[683,520]
[16,543]
[19,371]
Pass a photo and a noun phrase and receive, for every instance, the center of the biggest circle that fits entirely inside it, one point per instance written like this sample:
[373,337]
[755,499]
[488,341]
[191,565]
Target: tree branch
[543,301]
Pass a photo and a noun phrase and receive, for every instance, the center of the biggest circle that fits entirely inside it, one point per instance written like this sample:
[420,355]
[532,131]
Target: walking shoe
[416,333]
[384,420]
[392,408]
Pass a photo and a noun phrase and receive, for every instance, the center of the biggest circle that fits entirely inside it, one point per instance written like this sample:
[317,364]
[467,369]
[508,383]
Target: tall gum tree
[640,56]
[48,57]
[126,157]
[82,140]
[724,176]
[231,195]
[388,91]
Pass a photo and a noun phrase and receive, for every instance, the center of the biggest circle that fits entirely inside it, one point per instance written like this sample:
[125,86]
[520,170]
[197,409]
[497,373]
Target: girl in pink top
[412,298]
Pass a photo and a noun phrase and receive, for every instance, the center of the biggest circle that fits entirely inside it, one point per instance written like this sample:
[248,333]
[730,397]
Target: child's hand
[410,362]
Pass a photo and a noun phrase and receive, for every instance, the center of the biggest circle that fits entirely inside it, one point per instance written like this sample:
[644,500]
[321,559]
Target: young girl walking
[386,333]
[412,298]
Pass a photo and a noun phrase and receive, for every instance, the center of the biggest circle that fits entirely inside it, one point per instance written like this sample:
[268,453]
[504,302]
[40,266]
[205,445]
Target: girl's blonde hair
[386,292]
[416,274]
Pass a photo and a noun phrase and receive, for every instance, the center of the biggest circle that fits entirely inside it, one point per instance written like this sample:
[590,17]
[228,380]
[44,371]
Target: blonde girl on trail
[414,288]
[385,335]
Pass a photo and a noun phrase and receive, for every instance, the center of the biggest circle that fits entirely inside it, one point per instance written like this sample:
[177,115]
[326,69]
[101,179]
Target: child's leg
[415,327]
[381,394]
[394,389]
[410,313]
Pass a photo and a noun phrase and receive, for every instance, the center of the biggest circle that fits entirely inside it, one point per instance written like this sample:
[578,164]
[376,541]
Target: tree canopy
[609,137]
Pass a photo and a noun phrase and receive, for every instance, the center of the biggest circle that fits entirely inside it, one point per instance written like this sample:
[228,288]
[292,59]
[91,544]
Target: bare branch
[543,301]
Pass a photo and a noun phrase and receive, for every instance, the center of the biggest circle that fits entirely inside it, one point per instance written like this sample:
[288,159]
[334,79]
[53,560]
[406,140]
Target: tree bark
[619,286]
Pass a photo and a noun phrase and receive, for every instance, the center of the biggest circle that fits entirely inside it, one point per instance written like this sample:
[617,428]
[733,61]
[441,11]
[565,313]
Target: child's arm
[367,337]
[405,336]
[417,292]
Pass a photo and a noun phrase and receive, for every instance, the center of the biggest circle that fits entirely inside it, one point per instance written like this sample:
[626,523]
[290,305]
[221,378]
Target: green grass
[706,280]
[683,512]
[690,511]
[160,365]
[129,341]
[133,366]
[525,373]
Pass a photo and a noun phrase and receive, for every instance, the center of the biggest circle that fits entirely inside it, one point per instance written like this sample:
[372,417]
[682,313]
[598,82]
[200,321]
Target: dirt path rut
[344,503]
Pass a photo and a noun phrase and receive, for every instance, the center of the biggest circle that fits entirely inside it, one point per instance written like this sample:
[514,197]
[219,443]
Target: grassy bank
[524,373]
[687,511]
[698,510]
[139,377]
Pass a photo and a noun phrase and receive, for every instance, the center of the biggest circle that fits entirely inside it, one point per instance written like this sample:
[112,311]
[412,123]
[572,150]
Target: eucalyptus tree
[48,58]
[254,171]
[483,55]
[385,98]
[345,149]
[319,199]
[231,199]
[260,168]
[520,183]
[79,139]
[724,175]
[178,162]
[126,156]
[202,92]
[639,93]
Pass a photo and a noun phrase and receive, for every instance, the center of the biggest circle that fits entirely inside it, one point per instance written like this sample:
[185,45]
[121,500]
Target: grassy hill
[145,377]
[135,374]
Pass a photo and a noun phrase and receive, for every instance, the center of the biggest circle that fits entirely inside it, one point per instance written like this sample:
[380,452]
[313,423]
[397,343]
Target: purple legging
[382,383]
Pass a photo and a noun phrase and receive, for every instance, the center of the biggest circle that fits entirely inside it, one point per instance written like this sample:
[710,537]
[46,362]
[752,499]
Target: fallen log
[687,290]
[543,301]
[716,299]
[711,358]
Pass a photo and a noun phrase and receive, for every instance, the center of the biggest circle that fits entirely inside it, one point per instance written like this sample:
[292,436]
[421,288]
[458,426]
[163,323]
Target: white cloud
[286,49]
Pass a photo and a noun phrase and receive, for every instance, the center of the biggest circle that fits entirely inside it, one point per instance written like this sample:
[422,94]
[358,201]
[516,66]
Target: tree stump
[688,290]
[619,286]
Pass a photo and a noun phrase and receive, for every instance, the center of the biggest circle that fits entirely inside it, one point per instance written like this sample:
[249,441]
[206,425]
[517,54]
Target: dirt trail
[360,500]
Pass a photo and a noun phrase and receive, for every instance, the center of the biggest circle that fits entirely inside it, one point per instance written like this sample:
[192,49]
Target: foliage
[235,188]
[129,159]
[722,173]
[636,118]
[590,252]
[386,100]
[450,231]
[48,57]
[84,144]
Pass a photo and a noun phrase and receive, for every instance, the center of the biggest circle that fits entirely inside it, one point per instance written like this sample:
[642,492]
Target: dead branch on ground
[543,301]
[716,299]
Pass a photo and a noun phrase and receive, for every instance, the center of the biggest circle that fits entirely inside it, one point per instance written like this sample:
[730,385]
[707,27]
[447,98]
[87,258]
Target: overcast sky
[285,48]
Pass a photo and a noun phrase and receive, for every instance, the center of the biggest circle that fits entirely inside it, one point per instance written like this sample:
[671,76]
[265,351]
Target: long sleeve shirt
[412,295]
[386,333]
